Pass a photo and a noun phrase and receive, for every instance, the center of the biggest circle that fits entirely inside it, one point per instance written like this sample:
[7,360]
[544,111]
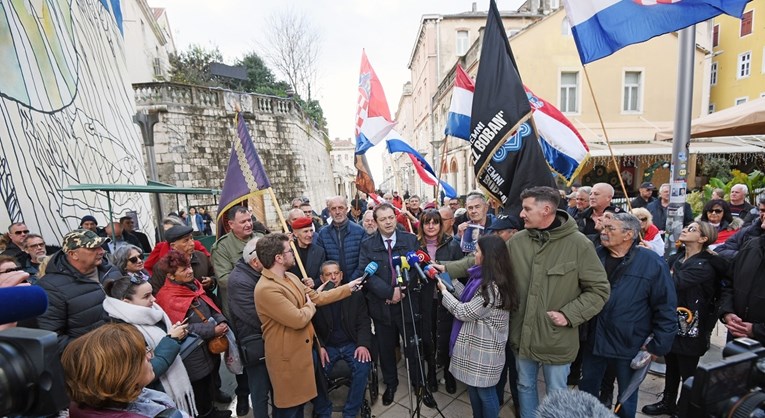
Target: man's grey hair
[475,195]
[606,186]
[172,221]
[743,187]
[249,253]
[629,222]
[667,185]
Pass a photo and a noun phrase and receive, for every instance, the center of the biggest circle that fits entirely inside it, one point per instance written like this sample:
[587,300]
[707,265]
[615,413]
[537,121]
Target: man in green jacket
[561,285]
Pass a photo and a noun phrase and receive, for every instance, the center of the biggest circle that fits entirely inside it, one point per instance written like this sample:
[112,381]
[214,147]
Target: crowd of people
[574,285]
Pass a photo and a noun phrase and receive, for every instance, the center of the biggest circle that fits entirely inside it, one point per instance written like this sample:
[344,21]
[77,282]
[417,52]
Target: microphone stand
[400,282]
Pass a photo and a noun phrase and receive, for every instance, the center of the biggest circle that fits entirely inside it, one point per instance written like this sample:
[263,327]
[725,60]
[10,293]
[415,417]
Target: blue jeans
[292,412]
[528,397]
[359,375]
[260,387]
[484,401]
[593,369]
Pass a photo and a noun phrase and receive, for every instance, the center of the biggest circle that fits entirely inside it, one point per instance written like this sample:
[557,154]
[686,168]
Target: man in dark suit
[345,333]
[386,294]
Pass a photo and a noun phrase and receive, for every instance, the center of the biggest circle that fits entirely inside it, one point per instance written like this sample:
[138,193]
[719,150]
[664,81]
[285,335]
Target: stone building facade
[192,145]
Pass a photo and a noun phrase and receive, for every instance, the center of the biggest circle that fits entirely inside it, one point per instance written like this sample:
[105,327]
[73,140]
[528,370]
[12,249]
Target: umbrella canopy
[744,119]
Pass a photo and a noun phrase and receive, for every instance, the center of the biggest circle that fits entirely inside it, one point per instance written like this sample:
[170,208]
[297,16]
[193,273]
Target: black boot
[432,380]
[666,406]
[451,383]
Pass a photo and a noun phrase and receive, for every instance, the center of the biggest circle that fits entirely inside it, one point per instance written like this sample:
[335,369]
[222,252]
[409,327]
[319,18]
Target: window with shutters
[746,23]
[716,36]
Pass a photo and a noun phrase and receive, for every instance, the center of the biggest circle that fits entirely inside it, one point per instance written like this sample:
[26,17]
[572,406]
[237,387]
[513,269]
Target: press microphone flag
[22,302]
[369,270]
[415,261]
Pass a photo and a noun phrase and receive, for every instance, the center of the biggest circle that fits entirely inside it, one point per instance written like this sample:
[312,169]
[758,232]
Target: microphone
[424,257]
[577,404]
[405,267]
[369,270]
[22,302]
[414,260]
[397,265]
[433,275]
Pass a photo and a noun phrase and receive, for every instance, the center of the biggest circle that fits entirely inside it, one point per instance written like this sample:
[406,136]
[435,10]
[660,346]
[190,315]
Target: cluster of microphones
[422,264]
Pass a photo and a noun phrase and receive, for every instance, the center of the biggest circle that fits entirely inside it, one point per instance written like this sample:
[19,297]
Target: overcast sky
[386,29]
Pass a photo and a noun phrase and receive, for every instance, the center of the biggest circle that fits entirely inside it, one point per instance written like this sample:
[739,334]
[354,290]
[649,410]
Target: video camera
[729,387]
[31,376]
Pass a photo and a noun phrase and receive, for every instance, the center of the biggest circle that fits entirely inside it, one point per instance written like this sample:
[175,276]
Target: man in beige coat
[285,307]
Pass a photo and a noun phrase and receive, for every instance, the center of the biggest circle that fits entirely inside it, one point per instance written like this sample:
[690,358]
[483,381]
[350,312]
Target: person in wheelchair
[345,333]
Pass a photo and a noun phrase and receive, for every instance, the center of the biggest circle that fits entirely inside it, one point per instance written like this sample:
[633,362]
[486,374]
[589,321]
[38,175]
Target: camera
[729,387]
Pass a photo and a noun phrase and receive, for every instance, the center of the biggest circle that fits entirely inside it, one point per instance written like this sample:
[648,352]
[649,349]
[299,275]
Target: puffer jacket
[74,300]
[346,252]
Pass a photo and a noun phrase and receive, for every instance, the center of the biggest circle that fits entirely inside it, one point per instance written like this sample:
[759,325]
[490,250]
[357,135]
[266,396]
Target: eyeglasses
[643,219]
[11,270]
[149,352]
[717,211]
[288,251]
[447,219]
[432,222]
[38,245]
[691,229]
[136,258]
[24,232]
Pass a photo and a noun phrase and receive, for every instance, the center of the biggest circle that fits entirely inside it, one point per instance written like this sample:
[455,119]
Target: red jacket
[163,248]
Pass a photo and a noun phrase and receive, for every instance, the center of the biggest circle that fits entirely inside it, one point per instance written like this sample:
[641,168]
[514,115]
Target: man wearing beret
[73,283]
[180,238]
[312,256]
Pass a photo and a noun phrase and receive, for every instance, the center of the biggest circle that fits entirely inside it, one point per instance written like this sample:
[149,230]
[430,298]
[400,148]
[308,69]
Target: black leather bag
[189,344]
[253,350]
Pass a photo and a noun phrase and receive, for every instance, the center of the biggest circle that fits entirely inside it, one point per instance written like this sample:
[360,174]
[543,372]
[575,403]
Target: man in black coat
[345,333]
[386,293]
[246,325]
[73,283]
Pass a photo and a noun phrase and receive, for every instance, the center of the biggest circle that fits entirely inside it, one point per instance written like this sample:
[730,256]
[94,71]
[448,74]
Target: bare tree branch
[291,45]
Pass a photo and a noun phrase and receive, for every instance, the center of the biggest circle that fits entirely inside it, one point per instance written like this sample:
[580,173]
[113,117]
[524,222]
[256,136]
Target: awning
[710,146]
[744,119]
[150,187]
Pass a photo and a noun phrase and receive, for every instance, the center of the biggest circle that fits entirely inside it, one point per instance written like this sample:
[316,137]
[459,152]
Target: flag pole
[608,142]
[442,162]
[287,231]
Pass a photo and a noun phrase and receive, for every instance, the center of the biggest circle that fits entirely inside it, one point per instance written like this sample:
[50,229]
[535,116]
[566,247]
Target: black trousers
[679,367]
[387,336]
[204,390]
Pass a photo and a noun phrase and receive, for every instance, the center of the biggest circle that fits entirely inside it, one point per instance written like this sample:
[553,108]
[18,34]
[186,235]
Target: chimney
[475,7]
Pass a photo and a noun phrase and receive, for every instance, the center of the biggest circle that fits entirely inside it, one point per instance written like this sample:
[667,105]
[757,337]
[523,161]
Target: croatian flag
[602,27]
[564,149]
[458,120]
[373,122]
[424,170]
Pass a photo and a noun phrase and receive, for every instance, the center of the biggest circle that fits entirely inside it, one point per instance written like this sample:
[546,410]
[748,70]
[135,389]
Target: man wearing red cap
[312,255]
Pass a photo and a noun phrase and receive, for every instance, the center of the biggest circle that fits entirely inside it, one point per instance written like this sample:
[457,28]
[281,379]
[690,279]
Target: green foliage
[696,199]
[193,66]
[717,167]
[754,180]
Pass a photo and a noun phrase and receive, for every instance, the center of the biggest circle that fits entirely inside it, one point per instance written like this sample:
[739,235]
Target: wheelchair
[341,376]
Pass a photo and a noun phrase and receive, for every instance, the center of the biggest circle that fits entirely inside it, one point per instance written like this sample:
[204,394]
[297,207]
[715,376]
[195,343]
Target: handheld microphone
[397,265]
[424,257]
[329,286]
[433,275]
[369,270]
[22,302]
[414,260]
[405,267]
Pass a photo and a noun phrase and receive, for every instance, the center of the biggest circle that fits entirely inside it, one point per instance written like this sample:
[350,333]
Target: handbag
[189,344]
[216,345]
[253,350]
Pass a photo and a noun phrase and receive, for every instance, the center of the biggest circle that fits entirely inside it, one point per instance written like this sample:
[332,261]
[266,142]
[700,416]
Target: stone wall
[194,135]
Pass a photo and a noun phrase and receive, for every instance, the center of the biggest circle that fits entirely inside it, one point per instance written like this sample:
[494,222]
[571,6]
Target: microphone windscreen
[404,263]
[371,268]
[423,256]
[572,404]
[22,302]
[396,262]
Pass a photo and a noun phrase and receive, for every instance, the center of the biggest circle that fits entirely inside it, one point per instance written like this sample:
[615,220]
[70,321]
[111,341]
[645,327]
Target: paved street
[458,405]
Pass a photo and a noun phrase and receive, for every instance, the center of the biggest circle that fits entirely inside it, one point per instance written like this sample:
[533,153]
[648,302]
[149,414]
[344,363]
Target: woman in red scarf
[183,297]
[650,237]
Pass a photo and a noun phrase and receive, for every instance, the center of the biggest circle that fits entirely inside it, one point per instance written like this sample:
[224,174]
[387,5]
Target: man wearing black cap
[505,226]
[180,239]
[89,222]
[73,284]
[646,195]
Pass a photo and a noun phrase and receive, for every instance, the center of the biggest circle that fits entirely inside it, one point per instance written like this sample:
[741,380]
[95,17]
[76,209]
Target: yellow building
[738,63]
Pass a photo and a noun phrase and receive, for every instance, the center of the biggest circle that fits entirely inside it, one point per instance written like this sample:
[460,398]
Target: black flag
[503,139]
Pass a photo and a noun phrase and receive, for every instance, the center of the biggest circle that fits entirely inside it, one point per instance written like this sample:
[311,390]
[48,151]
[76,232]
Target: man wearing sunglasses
[73,283]
[34,253]
[16,232]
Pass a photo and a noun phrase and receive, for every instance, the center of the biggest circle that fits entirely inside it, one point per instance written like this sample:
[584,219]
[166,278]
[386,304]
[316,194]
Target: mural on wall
[66,108]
